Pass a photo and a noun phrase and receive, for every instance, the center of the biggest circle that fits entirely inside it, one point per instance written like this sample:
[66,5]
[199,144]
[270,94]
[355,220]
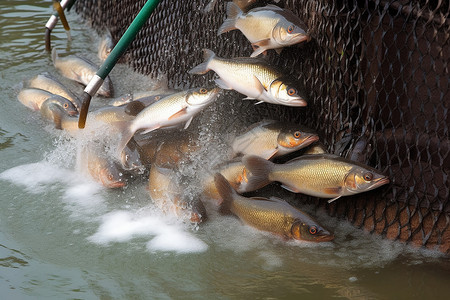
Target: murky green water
[64,237]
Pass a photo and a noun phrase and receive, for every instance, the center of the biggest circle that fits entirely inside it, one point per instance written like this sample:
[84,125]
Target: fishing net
[376,75]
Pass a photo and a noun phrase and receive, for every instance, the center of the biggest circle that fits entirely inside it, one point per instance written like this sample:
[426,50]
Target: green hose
[113,57]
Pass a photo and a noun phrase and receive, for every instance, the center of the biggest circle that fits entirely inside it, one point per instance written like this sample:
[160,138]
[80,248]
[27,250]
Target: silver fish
[81,70]
[169,111]
[47,82]
[269,27]
[55,106]
[252,77]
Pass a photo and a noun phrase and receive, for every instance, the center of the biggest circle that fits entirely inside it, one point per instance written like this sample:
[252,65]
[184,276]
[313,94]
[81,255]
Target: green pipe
[113,57]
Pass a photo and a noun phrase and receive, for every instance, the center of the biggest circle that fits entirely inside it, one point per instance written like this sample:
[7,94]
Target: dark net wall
[376,74]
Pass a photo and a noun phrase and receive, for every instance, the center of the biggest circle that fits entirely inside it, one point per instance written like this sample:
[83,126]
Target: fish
[170,111]
[273,215]
[269,27]
[57,105]
[105,46]
[270,139]
[103,169]
[168,195]
[46,81]
[234,172]
[252,77]
[319,175]
[34,98]
[81,70]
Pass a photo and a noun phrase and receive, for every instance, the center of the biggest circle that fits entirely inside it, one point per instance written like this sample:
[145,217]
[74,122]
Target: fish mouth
[297,102]
[380,182]
[303,38]
[310,139]
[325,238]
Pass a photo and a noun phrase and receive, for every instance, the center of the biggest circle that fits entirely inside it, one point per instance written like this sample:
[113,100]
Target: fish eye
[368,176]
[203,91]
[297,134]
[291,91]
[290,29]
[66,105]
[313,230]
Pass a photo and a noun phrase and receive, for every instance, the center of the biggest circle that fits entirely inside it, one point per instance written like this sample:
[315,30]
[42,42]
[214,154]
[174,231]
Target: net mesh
[376,74]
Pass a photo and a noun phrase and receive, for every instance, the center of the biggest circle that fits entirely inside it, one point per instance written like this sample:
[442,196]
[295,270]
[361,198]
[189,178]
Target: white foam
[177,241]
[37,177]
[122,226]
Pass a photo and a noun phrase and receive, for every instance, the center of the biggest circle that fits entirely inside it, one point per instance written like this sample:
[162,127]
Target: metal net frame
[376,74]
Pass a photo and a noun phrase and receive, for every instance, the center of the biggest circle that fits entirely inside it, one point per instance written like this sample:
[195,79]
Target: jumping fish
[269,27]
[47,82]
[272,215]
[168,195]
[319,175]
[102,169]
[169,111]
[80,70]
[252,77]
[270,139]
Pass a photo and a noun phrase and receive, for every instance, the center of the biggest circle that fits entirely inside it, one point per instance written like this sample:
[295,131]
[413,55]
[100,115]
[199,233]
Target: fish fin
[331,200]
[262,88]
[178,114]
[269,154]
[127,134]
[248,98]
[278,50]
[188,122]
[233,12]
[290,188]
[260,47]
[333,190]
[222,84]
[225,191]
[259,102]
[150,129]
[202,68]
[259,169]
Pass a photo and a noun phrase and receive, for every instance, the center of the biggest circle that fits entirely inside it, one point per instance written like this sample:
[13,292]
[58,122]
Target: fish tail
[233,12]
[203,68]
[260,169]
[127,134]
[225,191]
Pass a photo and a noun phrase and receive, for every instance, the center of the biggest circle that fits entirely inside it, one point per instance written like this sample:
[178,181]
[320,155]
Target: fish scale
[263,215]
[326,173]
[244,70]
